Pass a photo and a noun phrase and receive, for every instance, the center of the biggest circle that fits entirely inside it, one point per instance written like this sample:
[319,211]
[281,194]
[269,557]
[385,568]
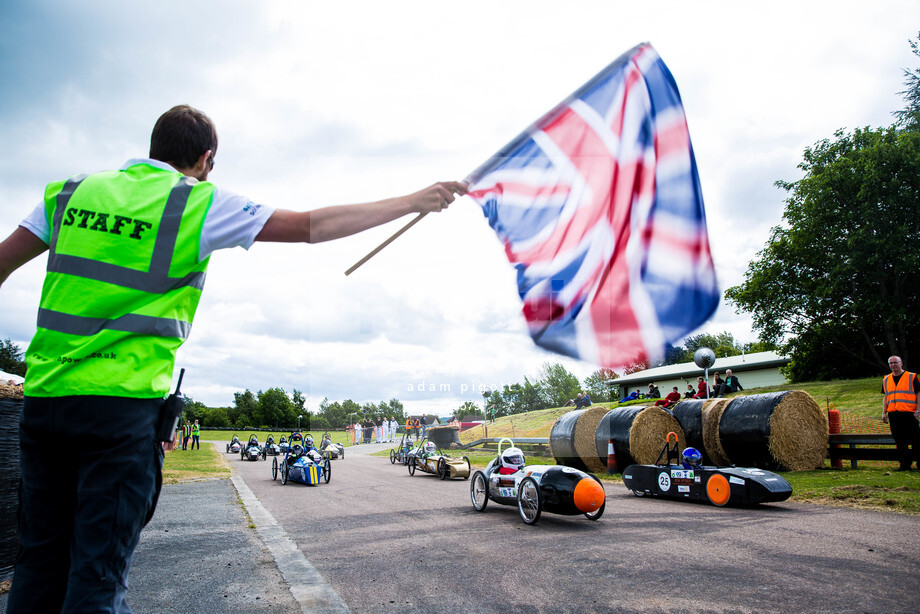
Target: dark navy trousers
[91,475]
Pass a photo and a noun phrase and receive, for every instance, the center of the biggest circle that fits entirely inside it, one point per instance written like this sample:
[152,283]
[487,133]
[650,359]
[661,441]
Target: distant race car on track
[252,450]
[428,458]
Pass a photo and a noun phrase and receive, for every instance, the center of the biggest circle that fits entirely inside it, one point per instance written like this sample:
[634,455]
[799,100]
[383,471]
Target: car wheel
[443,471]
[412,466]
[342,454]
[284,472]
[264,454]
[327,470]
[718,490]
[596,514]
[274,468]
[529,501]
[392,457]
[479,491]
[468,468]
[638,493]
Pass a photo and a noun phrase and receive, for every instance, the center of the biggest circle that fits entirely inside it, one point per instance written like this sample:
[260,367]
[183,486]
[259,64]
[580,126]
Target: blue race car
[302,463]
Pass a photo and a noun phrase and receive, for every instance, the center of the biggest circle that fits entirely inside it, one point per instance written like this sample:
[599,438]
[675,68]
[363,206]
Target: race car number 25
[664,481]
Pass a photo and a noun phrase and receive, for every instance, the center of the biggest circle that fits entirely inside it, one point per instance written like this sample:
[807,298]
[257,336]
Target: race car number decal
[664,481]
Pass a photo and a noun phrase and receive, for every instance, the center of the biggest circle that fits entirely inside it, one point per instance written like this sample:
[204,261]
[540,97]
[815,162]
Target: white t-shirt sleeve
[232,221]
[37,223]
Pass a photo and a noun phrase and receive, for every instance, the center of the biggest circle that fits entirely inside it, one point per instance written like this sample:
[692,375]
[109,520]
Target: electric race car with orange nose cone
[535,489]
[690,479]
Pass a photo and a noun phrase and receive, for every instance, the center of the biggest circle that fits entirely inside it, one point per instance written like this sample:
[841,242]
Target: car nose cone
[589,495]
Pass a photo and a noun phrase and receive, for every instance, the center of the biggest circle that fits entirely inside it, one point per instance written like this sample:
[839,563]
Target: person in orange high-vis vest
[899,411]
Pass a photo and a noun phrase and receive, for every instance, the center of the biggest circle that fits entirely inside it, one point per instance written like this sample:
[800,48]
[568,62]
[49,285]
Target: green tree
[11,358]
[194,410]
[244,410]
[496,406]
[836,284]
[909,116]
[558,384]
[520,398]
[396,409]
[216,417]
[722,344]
[597,387]
[468,408]
[275,409]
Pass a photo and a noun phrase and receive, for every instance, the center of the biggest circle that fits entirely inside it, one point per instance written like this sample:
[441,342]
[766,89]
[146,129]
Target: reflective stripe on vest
[901,396]
[122,285]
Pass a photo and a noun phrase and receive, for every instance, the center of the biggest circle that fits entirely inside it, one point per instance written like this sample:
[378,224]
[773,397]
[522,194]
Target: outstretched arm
[17,249]
[335,222]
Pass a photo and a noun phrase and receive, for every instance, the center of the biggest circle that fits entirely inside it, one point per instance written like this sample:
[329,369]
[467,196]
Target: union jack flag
[599,207]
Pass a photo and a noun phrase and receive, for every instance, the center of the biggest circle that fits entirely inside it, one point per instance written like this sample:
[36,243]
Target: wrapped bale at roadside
[777,431]
[562,440]
[711,415]
[584,439]
[10,408]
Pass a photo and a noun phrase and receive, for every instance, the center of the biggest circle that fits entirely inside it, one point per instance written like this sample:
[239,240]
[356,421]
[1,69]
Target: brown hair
[181,135]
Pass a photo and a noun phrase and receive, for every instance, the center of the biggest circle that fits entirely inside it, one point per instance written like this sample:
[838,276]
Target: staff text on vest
[101,222]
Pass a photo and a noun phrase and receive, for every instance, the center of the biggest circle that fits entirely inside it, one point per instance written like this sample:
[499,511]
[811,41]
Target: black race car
[687,479]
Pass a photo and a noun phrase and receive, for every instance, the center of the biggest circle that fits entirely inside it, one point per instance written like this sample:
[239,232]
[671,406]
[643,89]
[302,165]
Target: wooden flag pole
[374,251]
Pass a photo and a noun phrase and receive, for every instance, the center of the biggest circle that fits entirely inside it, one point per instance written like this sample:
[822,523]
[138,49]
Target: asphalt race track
[377,540]
[387,542]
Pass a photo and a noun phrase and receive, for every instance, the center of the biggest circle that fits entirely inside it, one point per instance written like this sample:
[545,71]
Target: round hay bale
[445,437]
[689,414]
[615,425]
[649,432]
[10,408]
[711,414]
[562,440]
[585,432]
[778,430]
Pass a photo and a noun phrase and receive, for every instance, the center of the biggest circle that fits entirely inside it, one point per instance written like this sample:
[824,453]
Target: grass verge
[191,465]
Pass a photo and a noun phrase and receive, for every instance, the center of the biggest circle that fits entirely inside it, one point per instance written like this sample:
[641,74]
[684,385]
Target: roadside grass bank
[192,465]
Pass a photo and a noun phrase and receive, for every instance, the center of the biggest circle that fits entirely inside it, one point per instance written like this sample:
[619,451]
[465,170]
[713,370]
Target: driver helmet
[309,441]
[513,458]
[253,440]
[430,447]
[691,458]
[270,439]
[297,450]
[235,438]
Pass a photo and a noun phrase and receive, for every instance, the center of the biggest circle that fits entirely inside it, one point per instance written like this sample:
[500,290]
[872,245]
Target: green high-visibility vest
[122,284]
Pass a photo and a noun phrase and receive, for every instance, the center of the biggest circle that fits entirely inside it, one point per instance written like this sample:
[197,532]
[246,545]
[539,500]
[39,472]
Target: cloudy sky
[331,103]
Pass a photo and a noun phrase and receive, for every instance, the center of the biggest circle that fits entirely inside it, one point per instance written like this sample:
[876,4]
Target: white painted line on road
[307,585]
